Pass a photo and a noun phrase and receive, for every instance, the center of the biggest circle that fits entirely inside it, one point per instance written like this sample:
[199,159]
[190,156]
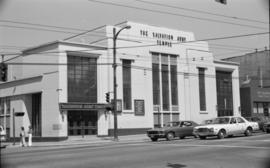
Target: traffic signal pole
[13,123]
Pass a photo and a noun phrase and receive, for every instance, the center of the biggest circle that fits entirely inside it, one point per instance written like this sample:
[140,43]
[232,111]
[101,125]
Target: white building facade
[162,75]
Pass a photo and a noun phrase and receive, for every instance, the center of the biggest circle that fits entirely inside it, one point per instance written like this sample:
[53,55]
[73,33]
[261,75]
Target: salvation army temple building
[162,75]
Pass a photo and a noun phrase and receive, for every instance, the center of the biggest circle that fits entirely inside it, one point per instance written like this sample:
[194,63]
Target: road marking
[220,146]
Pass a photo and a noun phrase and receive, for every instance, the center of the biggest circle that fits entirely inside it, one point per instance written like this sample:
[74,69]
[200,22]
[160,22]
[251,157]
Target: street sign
[19,114]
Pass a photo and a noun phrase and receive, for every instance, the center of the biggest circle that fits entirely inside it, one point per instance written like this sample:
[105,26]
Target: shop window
[255,108]
[260,108]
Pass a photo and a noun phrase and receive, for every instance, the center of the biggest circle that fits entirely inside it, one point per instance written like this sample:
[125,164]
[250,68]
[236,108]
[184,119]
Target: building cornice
[59,42]
[226,62]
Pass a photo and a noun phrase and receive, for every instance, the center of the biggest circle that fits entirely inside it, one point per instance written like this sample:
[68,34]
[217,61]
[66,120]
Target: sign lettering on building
[162,39]
[139,107]
[263,94]
[82,106]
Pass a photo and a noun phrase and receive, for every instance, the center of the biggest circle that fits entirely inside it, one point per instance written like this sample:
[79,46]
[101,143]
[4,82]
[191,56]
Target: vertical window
[255,107]
[2,106]
[175,116]
[174,88]
[165,81]
[224,93]
[127,102]
[36,114]
[155,78]
[157,120]
[166,118]
[202,89]
[260,108]
[82,79]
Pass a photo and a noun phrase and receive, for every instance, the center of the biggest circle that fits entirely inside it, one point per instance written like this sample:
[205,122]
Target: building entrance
[224,93]
[82,123]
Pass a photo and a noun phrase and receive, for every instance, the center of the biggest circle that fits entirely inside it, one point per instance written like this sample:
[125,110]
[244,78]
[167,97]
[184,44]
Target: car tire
[182,137]
[154,139]
[221,134]
[248,132]
[267,130]
[170,136]
[202,137]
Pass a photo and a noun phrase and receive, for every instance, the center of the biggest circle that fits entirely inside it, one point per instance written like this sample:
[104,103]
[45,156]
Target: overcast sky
[205,18]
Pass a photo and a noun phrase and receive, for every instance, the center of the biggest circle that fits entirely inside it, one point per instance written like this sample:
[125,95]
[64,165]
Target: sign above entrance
[83,106]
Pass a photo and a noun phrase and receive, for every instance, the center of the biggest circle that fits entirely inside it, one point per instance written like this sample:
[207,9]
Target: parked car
[266,127]
[2,133]
[171,130]
[259,119]
[208,121]
[226,126]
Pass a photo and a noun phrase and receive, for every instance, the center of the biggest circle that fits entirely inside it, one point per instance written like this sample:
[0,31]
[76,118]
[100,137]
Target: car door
[233,126]
[188,128]
[241,125]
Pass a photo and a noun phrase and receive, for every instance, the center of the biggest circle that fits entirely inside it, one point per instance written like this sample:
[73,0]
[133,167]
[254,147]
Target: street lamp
[115,35]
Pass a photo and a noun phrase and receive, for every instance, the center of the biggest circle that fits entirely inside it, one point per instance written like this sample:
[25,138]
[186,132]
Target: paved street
[235,152]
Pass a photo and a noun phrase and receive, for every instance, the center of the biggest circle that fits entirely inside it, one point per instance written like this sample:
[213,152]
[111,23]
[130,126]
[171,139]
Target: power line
[130,66]
[43,29]
[204,12]
[148,45]
[85,32]
[42,25]
[35,28]
[144,58]
[208,39]
[176,14]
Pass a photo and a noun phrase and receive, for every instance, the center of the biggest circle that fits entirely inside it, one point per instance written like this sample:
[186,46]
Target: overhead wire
[176,14]
[149,45]
[192,74]
[204,12]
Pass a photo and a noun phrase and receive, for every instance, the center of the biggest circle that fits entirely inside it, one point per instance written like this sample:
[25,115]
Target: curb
[79,143]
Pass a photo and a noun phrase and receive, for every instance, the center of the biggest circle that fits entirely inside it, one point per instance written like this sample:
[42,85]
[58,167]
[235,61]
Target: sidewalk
[86,140]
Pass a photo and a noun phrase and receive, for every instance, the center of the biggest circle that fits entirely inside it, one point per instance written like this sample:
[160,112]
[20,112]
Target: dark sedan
[266,127]
[174,129]
[261,120]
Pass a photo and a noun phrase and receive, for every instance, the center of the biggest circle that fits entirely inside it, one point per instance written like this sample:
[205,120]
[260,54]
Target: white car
[226,126]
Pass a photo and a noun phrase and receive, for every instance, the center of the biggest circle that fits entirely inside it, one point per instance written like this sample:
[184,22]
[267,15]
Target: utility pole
[13,122]
[114,81]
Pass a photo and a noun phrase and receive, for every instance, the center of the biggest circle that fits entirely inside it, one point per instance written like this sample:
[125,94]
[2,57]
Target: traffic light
[107,97]
[3,72]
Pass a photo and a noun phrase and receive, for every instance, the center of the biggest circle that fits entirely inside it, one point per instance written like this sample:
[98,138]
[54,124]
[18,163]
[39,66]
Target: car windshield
[210,121]
[172,124]
[222,120]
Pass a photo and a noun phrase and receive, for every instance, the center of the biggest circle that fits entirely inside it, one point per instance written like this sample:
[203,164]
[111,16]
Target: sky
[28,23]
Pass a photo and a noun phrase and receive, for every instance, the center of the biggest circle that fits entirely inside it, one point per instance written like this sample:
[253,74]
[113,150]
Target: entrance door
[82,122]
